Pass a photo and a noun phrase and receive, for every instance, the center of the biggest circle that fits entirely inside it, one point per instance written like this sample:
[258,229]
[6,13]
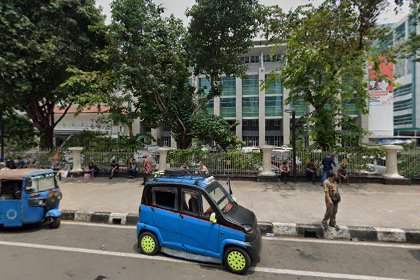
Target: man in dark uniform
[332,199]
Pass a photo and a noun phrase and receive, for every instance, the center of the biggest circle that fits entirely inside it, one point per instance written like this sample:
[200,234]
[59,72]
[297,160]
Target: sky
[178,7]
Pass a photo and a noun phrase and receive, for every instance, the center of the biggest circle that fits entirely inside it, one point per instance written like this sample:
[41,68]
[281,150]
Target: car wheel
[237,260]
[148,244]
[56,222]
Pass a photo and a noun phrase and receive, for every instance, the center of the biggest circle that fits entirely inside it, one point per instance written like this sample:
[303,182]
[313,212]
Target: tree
[146,54]
[208,128]
[19,133]
[220,32]
[325,61]
[39,41]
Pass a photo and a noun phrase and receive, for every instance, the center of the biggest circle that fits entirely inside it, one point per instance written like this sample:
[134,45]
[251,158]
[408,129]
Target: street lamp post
[293,112]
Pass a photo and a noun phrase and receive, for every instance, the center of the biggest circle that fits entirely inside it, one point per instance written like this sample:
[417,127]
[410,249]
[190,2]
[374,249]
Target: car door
[166,215]
[11,203]
[199,235]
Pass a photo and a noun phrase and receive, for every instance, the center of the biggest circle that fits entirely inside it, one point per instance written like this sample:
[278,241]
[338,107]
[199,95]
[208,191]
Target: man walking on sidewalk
[332,198]
[327,166]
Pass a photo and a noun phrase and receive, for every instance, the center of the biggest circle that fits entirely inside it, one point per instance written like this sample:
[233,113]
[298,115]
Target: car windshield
[41,183]
[220,196]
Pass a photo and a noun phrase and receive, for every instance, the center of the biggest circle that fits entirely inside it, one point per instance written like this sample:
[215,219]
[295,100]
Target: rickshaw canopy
[19,174]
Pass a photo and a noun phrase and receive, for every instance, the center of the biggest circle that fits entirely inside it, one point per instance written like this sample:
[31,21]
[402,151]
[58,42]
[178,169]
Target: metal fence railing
[409,163]
[229,163]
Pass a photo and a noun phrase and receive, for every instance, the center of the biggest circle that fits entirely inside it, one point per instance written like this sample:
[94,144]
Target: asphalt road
[100,252]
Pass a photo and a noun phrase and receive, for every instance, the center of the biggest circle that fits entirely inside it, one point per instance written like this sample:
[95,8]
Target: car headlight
[249,229]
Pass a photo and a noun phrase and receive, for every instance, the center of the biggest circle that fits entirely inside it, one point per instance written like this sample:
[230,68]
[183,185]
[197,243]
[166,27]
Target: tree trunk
[46,135]
[130,132]
[183,141]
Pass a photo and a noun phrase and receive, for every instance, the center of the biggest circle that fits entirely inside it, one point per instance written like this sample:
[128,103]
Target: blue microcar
[196,218]
[29,196]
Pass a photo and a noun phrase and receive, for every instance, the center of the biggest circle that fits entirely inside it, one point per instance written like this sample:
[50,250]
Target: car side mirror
[213,218]
[234,199]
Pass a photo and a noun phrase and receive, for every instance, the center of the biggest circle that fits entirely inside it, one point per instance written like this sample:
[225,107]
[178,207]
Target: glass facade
[273,106]
[275,87]
[228,86]
[300,107]
[205,86]
[250,106]
[250,85]
[228,107]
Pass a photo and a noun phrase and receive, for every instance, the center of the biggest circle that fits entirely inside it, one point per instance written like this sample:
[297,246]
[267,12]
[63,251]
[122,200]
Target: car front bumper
[254,248]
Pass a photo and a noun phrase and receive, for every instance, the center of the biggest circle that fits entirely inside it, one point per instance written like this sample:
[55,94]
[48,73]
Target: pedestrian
[64,171]
[93,170]
[284,171]
[332,198]
[327,166]
[3,166]
[10,164]
[311,170]
[342,174]
[115,167]
[184,165]
[202,169]
[147,169]
[20,163]
[132,169]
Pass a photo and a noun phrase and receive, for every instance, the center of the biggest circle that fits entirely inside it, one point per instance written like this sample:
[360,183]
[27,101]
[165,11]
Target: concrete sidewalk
[370,205]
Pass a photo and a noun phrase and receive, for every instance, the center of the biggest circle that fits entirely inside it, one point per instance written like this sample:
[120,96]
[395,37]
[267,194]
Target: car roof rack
[177,172]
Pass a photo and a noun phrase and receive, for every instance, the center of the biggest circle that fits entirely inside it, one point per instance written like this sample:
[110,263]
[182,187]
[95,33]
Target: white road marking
[279,238]
[320,274]
[345,242]
[98,225]
[160,258]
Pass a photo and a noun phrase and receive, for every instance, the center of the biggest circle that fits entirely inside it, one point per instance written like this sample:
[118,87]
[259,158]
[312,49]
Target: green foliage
[39,41]
[327,50]
[96,141]
[220,32]
[207,128]
[19,133]
[191,156]
[234,162]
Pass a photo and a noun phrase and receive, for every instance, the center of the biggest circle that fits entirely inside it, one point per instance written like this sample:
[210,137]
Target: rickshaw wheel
[237,260]
[56,222]
[148,244]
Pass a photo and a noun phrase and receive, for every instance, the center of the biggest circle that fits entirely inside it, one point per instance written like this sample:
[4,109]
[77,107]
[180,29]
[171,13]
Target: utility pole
[293,112]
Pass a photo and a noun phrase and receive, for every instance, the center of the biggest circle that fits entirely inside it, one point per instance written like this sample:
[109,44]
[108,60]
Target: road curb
[372,234]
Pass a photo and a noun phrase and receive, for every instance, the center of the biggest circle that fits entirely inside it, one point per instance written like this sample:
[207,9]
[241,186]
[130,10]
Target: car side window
[195,204]
[164,198]
[191,203]
[207,209]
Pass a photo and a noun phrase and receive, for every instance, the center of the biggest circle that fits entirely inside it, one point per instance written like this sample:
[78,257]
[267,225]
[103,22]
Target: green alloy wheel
[148,243]
[237,260]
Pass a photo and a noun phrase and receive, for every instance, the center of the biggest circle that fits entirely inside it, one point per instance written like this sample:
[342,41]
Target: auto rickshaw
[29,196]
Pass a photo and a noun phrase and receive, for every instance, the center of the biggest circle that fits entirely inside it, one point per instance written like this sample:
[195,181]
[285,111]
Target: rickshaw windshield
[221,197]
[40,183]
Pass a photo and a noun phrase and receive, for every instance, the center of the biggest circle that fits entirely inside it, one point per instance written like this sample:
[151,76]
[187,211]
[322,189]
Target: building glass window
[205,86]
[246,59]
[250,106]
[228,86]
[250,85]
[255,59]
[228,107]
[274,87]
[400,32]
[300,107]
[273,106]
